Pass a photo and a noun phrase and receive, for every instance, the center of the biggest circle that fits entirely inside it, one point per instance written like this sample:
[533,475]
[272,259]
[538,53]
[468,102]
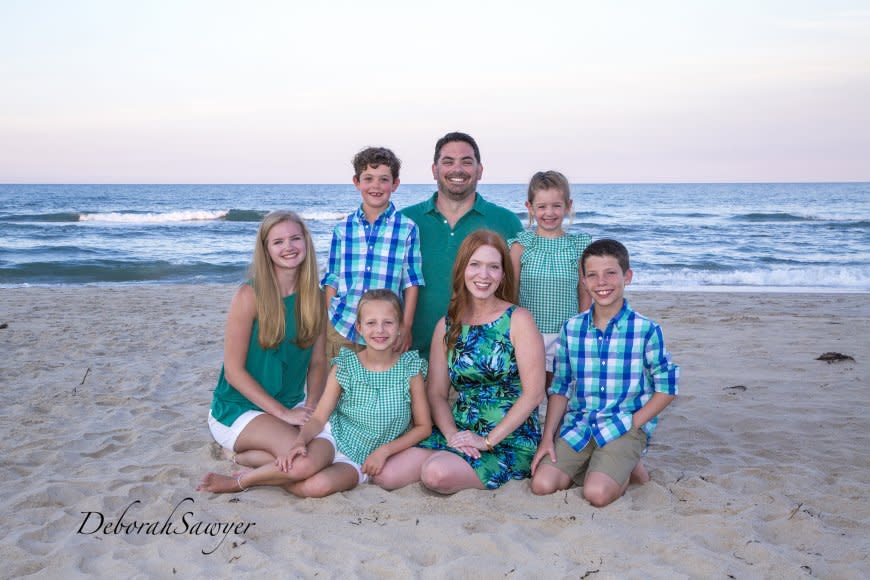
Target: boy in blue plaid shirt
[374,247]
[613,376]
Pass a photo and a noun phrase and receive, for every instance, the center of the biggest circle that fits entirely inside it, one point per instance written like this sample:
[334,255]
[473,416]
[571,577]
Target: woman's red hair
[460,298]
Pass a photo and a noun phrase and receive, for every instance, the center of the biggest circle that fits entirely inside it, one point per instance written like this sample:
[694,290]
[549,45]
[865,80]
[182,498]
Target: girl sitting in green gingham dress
[374,405]
[374,400]
[546,260]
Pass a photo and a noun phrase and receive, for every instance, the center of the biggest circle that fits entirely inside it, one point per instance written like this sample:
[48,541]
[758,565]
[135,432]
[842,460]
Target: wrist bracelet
[487,443]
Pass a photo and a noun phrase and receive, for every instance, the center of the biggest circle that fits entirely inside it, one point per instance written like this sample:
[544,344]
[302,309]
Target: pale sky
[211,91]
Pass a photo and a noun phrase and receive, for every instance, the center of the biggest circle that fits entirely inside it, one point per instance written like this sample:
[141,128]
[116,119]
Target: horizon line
[858,181]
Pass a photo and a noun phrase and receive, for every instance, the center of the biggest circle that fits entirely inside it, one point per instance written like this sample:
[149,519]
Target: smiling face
[376,185]
[379,325]
[549,209]
[484,272]
[285,244]
[606,281]
[457,170]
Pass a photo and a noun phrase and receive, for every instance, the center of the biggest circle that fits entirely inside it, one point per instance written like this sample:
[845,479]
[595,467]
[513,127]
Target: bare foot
[216,483]
[639,474]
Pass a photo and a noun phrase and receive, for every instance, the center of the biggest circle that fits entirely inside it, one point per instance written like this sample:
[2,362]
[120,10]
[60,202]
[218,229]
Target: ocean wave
[699,266]
[64,216]
[79,272]
[323,216]
[693,214]
[155,218]
[232,215]
[775,216]
[245,215]
[804,277]
[849,224]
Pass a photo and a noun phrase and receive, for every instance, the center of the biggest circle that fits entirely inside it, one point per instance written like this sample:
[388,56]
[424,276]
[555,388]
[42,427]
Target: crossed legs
[263,440]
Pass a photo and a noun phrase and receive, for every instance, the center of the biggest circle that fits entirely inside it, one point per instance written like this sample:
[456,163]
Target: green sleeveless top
[375,406]
[549,276]
[280,371]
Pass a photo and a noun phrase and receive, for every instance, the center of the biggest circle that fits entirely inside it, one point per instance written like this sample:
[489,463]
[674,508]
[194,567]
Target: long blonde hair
[309,309]
[460,298]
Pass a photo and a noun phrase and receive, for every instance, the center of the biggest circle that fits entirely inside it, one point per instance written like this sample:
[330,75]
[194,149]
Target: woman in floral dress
[490,352]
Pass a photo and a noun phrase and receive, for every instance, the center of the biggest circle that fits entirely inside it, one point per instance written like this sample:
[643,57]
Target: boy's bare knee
[598,496]
[543,486]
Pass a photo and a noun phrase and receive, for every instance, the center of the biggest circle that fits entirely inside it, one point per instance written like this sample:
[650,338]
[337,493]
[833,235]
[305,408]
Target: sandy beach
[759,469]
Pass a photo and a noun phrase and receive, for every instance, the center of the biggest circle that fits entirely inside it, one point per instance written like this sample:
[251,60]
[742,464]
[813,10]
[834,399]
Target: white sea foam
[172,216]
[323,216]
[855,278]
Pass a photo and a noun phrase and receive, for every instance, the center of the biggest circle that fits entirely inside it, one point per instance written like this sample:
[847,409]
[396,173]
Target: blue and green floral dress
[483,370]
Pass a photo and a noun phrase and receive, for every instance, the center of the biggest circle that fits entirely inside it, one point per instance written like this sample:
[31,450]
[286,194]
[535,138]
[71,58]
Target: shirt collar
[388,213]
[619,321]
[479,206]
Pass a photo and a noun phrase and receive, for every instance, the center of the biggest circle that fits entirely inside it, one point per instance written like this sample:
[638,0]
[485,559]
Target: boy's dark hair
[456,136]
[376,156]
[606,247]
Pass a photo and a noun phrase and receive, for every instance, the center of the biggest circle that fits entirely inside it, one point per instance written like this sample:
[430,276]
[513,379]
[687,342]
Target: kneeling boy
[613,376]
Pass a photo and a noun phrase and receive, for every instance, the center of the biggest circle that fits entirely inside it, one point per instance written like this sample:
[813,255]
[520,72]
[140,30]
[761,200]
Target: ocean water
[753,237]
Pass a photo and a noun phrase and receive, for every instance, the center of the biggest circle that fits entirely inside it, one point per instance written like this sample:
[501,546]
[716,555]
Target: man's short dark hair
[606,247]
[456,136]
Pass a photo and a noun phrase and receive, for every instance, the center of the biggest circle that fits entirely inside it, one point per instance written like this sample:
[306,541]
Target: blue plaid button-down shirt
[364,256]
[607,376]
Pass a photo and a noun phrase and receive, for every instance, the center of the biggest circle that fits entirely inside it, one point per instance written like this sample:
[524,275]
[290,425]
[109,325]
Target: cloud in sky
[210,91]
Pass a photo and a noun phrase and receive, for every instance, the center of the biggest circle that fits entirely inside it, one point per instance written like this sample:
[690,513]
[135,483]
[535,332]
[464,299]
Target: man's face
[457,171]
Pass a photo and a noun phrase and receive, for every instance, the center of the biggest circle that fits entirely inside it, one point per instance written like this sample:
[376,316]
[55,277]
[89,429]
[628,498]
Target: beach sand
[759,469]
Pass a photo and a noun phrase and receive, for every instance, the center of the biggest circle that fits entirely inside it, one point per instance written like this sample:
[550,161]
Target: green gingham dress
[375,406]
[549,275]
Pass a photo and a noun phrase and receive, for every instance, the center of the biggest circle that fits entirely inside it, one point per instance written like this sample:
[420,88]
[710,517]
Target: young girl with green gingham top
[374,400]
[546,260]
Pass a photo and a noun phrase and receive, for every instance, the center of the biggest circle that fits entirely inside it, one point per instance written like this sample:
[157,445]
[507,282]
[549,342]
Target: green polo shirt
[438,245]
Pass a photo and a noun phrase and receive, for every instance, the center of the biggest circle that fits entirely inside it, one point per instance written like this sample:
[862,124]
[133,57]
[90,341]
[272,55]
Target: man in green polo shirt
[443,222]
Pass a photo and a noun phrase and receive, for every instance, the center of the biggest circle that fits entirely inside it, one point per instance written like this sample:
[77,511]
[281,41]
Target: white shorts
[227,436]
[550,339]
[341,457]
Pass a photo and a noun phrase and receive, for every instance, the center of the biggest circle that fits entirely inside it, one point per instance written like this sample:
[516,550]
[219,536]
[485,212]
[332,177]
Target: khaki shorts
[616,459]
[335,342]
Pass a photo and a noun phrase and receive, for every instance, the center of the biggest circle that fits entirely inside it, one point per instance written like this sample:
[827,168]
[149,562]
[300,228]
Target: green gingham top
[375,406]
[549,276]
